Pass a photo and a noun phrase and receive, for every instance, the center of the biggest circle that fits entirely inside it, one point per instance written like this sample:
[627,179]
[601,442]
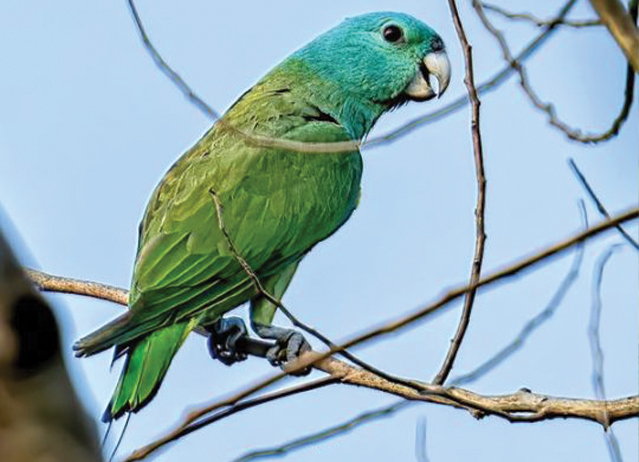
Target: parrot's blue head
[385,58]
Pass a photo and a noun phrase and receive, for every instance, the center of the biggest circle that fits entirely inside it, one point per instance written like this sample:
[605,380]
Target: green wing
[276,204]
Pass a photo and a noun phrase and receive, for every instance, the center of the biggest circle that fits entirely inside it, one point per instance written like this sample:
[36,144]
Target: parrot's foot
[223,341]
[289,345]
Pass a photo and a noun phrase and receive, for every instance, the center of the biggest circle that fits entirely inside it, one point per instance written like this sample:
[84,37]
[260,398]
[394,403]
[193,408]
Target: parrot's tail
[147,361]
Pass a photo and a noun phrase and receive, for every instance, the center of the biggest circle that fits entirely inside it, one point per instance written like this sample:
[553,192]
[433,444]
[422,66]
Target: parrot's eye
[393,34]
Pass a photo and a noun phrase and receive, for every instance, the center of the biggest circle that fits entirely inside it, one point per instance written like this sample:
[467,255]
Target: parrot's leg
[289,344]
[223,338]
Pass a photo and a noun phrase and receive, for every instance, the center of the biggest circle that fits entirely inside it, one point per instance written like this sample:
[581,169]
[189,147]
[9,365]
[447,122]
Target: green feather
[144,369]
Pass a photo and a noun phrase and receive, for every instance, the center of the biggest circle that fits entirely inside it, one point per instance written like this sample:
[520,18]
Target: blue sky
[88,126]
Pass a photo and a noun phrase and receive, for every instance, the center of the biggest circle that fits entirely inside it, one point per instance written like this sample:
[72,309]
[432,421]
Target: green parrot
[227,200]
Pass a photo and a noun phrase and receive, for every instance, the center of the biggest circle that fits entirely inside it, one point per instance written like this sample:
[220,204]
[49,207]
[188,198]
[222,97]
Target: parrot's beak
[437,64]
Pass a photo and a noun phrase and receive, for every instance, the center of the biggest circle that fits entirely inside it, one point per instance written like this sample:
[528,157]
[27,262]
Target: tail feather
[121,331]
[146,364]
[103,338]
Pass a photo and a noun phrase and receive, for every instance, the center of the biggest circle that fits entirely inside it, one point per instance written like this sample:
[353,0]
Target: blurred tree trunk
[41,418]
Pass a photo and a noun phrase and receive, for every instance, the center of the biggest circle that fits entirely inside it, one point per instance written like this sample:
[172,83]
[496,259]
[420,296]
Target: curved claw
[225,334]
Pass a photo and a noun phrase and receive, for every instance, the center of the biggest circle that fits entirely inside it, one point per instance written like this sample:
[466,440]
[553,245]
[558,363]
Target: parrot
[230,211]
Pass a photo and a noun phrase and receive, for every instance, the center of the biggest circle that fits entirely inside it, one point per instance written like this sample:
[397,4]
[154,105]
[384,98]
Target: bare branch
[533,324]
[597,351]
[50,283]
[323,435]
[621,26]
[227,412]
[549,109]
[345,146]
[528,17]
[480,235]
[591,193]
[522,406]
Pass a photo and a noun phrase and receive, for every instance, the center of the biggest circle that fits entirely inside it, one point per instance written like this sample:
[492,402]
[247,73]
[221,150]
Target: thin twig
[420,440]
[259,287]
[533,324]
[591,193]
[323,435]
[597,351]
[480,235]
[345,146]
[227,412]
[549,109]
[528,17]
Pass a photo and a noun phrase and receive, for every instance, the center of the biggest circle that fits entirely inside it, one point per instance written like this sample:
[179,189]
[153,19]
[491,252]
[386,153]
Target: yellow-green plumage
[277,203]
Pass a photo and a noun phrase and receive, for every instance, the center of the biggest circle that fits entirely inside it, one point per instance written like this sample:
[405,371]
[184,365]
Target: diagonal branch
[229,411]
[480,238]
[621,26]
[582,179]
[535,20]
[323,435]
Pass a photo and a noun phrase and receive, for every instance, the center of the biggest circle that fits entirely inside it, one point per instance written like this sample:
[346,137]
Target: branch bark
[621,27]
[50,283]
[521,406]
[480,234]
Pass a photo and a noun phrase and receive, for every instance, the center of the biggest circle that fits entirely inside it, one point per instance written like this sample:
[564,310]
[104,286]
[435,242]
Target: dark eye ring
[393,34]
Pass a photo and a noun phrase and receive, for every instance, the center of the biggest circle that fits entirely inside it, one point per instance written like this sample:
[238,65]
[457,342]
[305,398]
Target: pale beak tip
[438,65]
